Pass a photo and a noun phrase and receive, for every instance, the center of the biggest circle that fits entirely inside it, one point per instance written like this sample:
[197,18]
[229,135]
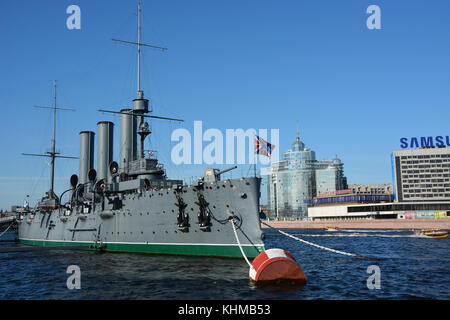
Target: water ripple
[412,268]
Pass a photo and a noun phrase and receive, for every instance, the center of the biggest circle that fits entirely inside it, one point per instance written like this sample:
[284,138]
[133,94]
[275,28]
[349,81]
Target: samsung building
[421,169]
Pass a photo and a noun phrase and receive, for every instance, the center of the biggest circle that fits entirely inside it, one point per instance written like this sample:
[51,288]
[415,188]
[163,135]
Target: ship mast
[140,104]
[52,154]
[139,47]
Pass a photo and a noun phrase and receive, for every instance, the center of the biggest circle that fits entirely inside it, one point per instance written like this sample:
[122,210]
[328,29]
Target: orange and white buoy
[275,266]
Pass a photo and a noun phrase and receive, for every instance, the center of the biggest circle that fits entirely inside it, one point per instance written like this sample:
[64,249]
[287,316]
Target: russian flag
[263,147]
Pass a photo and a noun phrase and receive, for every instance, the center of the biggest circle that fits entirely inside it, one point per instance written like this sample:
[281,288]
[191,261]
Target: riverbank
[441,223]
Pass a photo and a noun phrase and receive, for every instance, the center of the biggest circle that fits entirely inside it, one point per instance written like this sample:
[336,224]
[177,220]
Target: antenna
[140,105]
[137,114]
[139,44]
[52,154]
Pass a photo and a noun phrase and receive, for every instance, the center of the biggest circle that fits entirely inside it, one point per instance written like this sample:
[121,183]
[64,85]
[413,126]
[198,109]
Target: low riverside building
[387,210]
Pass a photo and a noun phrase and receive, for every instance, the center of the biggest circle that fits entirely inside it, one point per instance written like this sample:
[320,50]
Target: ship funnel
[128,139]
[104,148]
[86,155]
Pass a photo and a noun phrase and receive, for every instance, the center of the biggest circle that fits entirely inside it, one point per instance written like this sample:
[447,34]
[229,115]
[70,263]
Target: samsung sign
[425,142]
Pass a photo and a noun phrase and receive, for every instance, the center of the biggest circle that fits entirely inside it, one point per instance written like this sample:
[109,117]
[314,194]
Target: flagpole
[254,156]
[254,165]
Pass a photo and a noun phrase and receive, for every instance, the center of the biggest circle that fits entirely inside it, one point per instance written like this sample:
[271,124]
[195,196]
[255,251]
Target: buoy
[276,266]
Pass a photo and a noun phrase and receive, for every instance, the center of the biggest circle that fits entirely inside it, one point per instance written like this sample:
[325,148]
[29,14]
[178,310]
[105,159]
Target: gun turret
[213,175]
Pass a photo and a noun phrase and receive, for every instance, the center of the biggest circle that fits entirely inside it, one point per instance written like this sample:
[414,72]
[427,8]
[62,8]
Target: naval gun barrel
[225,171]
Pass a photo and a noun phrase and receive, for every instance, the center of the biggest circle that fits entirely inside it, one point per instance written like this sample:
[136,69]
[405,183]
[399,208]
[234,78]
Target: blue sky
[232,64]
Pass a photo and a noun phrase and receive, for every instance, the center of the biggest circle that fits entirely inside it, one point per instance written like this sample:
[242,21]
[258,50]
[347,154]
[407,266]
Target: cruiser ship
[132,206]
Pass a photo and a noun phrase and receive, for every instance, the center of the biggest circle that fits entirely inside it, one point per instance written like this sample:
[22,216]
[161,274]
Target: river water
[409,268]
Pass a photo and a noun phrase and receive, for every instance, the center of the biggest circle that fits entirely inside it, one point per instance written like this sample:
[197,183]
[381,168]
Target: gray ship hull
[146,222]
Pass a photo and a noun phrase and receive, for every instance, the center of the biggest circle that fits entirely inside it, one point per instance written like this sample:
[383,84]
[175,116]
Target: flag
[263,147]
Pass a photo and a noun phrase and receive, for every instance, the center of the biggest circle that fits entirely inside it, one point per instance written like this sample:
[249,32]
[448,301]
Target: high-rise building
[330,176]
[294,181]
[421,174]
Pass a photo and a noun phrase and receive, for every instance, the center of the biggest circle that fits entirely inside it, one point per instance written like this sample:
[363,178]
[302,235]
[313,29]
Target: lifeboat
[332,229]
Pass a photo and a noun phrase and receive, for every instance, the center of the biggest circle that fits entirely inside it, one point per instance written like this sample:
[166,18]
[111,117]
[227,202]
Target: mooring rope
[319,246]
[6,229]
[239,244]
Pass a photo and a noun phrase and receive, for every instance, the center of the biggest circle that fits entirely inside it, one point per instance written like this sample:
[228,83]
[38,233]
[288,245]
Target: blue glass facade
[294,181]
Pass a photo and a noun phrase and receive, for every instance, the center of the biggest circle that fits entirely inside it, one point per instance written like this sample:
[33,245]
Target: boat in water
[132,206]
[332,229]
[432,233]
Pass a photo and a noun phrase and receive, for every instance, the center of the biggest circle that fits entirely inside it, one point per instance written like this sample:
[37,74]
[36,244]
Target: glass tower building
[294,181]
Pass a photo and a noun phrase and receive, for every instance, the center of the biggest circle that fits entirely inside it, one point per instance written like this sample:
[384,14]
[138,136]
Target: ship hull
[146,222]
[182,249]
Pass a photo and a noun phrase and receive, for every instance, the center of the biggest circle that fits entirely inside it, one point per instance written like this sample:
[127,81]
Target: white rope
[239,244]
[316,245]
[6,229]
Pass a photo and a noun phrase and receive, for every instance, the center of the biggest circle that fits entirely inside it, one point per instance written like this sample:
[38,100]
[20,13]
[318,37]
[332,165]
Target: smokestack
[105,131]
[86,155]
[128,139]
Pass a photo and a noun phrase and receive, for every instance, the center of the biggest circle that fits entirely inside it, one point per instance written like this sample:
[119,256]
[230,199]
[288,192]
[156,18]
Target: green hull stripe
[230,251]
